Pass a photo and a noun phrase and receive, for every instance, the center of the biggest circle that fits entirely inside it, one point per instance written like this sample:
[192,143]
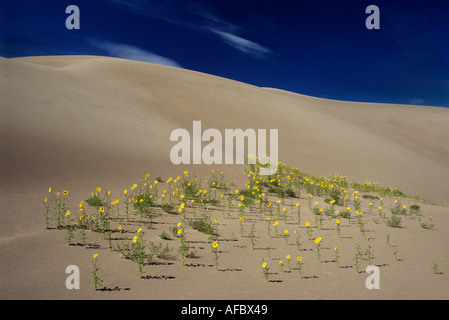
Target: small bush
[394,222]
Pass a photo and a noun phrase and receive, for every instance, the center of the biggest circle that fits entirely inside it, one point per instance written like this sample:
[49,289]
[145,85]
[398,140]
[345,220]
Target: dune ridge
[78,122]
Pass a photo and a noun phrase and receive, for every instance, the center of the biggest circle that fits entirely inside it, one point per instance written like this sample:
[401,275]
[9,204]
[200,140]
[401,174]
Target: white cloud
[244,45]
[416,101]
[132,53]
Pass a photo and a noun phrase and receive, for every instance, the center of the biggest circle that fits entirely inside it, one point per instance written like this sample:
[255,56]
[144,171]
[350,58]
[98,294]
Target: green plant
[298,240]
[338,227]
[138,252]
[368,253]
[159,250]
[395,254]
[337,257]
[83,237]
[394,221]
[299,265]
[318,247]
[426,225]
[415,209]
[357,257]
[398,209]
[369,196]
[203,225]
[252,235]
[183,249]
[94,274]
[435,269]
[164,235]
[143,203]
[265,270]
[95,201]
[215,251]
[167,207]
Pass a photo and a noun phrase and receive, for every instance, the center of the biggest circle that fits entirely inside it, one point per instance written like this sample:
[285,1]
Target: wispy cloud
[130,52]
[246,46]
[416,101]
[186,16]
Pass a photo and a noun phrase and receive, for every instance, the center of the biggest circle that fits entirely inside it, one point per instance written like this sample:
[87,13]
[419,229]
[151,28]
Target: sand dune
[78,122]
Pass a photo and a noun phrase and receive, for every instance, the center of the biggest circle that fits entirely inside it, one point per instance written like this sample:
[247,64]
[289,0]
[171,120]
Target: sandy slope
[81,122]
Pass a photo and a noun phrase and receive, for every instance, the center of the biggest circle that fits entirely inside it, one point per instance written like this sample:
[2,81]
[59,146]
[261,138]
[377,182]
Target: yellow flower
[316,203]
[318,240]
[45,200]
[101,209]
[337,221]
[268,218]
[98,189]
[140,229]
[180,231]
[65,192]
[179,224]
[404,206]
[297,204]
[216,220]
[135,239]
[241,218]
[120,227]
[284,209]
[49,189]
[125,191]
[299,258]
[264,265]
[307,223]
[380,208]
[275,223]
[95,255]
[57,194]
[287,257]
[285,231]
[280,262]
[215,244]
[67,213]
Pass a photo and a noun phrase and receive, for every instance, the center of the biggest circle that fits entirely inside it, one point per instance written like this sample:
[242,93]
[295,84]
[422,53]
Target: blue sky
[318,48]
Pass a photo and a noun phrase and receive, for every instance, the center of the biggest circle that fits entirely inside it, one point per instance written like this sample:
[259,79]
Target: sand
[82,122]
